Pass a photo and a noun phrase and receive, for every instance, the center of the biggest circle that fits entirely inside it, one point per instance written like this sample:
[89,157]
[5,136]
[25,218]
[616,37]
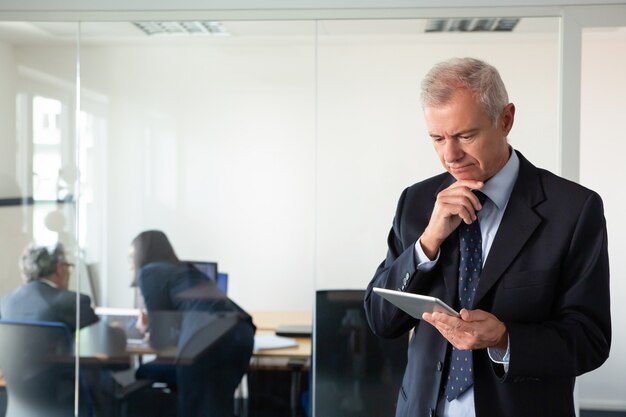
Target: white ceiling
[256,5]
[21,33]
[28,33]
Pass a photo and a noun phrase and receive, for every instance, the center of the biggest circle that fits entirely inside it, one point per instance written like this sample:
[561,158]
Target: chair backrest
[37,362]
[355,373]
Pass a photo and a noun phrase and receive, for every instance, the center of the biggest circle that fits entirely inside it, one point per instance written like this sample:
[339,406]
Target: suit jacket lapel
[517,226]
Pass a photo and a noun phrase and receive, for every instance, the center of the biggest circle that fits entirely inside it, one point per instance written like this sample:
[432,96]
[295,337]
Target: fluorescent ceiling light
[479,24]
[183,28]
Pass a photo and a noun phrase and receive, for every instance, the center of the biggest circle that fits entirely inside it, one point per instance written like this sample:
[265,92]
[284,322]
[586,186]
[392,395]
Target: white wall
[373,142]
[218,156]
[222,146]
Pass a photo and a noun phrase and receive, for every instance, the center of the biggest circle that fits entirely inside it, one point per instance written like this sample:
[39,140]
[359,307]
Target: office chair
[355,373]
[37,362]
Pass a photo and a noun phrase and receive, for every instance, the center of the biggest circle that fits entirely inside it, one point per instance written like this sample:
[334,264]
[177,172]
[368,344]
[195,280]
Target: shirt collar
[48,282]
[500,186]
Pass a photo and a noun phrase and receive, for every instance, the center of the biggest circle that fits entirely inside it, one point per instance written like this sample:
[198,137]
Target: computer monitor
[222,281]
[207,268]
[210,270]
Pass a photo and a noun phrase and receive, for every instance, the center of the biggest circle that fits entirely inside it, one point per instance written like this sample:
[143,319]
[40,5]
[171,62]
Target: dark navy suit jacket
[39,301]
[546,277]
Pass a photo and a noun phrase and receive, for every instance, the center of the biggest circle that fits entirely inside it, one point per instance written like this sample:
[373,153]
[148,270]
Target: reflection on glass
[275,151]
[356,373]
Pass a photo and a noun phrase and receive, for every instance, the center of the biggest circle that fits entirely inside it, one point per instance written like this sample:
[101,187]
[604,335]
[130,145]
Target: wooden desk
[293,359]
[266,323]
[270,320]
[303,350]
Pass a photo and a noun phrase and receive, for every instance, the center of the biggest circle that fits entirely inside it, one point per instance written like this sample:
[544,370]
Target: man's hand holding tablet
[415,304]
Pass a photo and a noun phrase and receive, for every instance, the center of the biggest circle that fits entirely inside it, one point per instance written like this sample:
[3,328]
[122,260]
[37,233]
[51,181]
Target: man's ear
[58,273]
[507,119]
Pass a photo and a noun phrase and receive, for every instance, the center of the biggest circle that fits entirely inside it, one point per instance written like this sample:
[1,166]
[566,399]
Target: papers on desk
[113,311]
[271,341]
[136,342]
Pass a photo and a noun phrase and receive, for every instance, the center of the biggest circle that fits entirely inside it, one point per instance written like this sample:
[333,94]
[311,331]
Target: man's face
[131,259]
[64,272]
[468,145]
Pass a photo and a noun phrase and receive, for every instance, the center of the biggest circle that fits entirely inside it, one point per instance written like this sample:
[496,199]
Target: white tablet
[415,304]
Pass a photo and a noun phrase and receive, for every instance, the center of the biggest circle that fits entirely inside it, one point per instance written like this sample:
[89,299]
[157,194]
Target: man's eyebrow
[470,131]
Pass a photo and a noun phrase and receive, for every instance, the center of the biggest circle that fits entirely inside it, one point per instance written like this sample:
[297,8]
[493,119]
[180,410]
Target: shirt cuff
[501,356]
[424,264]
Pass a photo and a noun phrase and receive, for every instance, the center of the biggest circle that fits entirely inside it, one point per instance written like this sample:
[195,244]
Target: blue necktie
[460,375]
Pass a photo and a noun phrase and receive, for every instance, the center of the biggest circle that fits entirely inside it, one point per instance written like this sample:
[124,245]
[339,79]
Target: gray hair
[482,79]
[41,261]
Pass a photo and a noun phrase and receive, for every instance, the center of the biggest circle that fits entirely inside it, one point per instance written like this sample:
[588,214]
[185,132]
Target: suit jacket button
[431,413]
[439,366]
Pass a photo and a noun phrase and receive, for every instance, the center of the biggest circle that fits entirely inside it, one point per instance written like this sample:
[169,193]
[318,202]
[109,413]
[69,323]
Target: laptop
[294,330]
[125,318]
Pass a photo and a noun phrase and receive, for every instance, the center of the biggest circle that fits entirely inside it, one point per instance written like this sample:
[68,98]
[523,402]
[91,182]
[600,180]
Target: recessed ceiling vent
[479,24]
[183,28]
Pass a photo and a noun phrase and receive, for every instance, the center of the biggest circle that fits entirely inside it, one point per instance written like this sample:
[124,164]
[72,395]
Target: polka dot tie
[460,376]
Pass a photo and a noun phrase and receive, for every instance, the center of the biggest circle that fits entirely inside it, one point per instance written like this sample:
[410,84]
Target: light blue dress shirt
[498,190]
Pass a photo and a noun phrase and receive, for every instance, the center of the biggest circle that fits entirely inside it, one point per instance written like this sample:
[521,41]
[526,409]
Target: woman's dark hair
[152,246]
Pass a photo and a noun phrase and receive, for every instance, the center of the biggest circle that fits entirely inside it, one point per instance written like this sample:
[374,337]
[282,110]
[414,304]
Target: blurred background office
[276,142]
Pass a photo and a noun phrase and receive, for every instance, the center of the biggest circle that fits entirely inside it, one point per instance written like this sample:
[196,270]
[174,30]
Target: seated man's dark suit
[546,277]
[40,301]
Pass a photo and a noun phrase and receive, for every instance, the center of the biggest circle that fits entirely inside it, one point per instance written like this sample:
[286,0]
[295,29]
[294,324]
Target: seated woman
[179,301]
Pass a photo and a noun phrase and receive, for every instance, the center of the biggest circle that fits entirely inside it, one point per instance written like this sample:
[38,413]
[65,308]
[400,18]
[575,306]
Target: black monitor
[207,268]
[210,270]
[356,374]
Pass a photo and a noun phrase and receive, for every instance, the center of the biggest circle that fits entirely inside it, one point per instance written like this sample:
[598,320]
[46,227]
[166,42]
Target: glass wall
[276,149]
[38,194]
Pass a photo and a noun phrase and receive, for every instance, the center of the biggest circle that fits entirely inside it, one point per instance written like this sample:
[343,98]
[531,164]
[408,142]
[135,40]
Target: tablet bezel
[415,304]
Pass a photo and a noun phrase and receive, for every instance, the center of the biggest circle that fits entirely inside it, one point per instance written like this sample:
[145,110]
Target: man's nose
[452,151]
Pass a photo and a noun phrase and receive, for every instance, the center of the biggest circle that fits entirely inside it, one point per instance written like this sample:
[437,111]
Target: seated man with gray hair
[45,295]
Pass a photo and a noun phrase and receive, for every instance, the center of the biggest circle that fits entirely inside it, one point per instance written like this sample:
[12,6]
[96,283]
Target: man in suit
[45,295]
[539,315]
